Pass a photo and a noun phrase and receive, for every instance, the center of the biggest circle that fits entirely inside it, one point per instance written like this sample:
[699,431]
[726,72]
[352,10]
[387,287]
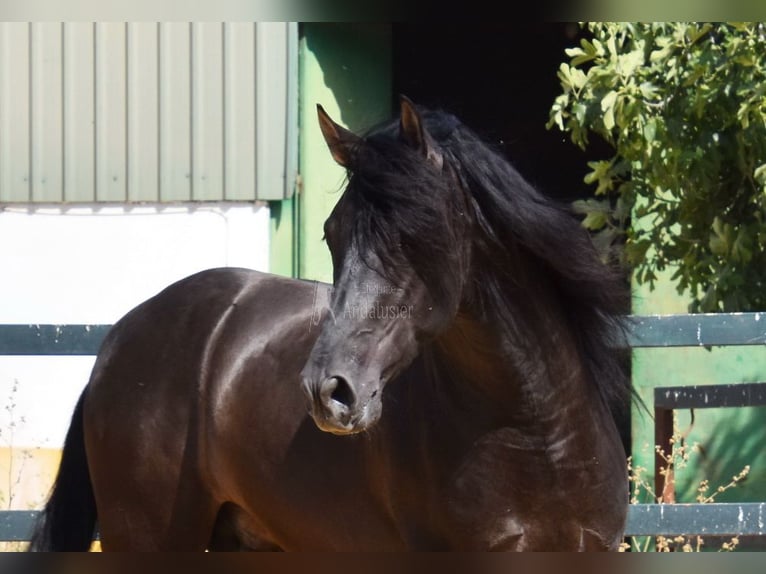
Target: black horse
[460,379]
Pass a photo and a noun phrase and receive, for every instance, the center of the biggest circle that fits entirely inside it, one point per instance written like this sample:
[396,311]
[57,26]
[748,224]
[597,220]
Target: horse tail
[68,521]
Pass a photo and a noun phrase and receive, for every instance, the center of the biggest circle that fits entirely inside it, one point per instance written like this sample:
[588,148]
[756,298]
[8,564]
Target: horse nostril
[337,389]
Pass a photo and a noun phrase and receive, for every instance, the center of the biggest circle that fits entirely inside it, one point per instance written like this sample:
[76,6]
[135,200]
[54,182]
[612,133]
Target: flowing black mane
[531,259]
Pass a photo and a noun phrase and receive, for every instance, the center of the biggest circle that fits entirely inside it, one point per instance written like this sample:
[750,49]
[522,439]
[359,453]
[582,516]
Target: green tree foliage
[684,107]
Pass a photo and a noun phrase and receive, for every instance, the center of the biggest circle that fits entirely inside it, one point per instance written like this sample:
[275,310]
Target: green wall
[347,69]
[729,438]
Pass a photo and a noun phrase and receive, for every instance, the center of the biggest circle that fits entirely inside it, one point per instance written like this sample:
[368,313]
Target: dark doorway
[500,79]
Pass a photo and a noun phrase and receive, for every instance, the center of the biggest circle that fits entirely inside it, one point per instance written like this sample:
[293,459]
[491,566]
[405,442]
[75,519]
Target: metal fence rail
[718,519]
[51,339]
[697,330]
[715,518]
[16,525]
[725,519]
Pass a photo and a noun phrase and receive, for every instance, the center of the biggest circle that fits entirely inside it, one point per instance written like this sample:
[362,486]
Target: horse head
[397,239]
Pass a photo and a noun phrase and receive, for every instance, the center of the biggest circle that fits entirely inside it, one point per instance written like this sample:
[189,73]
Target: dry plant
[642,489]
[15,473]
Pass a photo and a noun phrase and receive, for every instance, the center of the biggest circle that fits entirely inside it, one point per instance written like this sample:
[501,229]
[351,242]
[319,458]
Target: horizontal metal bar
[697,330]
[704,329]
[51,339]
[16,525]
[711,396]
[719,519]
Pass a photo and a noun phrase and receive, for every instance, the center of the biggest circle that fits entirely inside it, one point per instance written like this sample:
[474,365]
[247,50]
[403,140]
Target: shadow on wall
[351,57]
[736,439]
[733,441]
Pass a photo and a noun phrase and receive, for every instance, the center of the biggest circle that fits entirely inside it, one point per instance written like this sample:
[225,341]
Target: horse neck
[527,380]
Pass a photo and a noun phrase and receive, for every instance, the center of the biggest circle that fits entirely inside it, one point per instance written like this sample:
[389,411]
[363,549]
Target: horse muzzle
[335,408]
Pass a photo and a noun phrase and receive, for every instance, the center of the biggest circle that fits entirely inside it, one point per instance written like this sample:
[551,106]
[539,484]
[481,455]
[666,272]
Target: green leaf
[578,78]
[742,247]
[565,76]
[582,59]
[608,100]
[602,175]
[746,60]
[718,245]
[611,46]
[650,130]
[740,26]
[648,90]
[581,55]
[574,52]
[696,32]
[759,174]
[721,237]
[635,251]
[595,220]
[627,64]
[580,111]
[607,106]
[596,212]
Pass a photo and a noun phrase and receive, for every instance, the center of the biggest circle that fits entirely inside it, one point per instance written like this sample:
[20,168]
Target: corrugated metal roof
[147,112]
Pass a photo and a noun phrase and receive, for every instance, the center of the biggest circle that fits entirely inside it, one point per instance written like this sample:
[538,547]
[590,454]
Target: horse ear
[414,133]
[340,140]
